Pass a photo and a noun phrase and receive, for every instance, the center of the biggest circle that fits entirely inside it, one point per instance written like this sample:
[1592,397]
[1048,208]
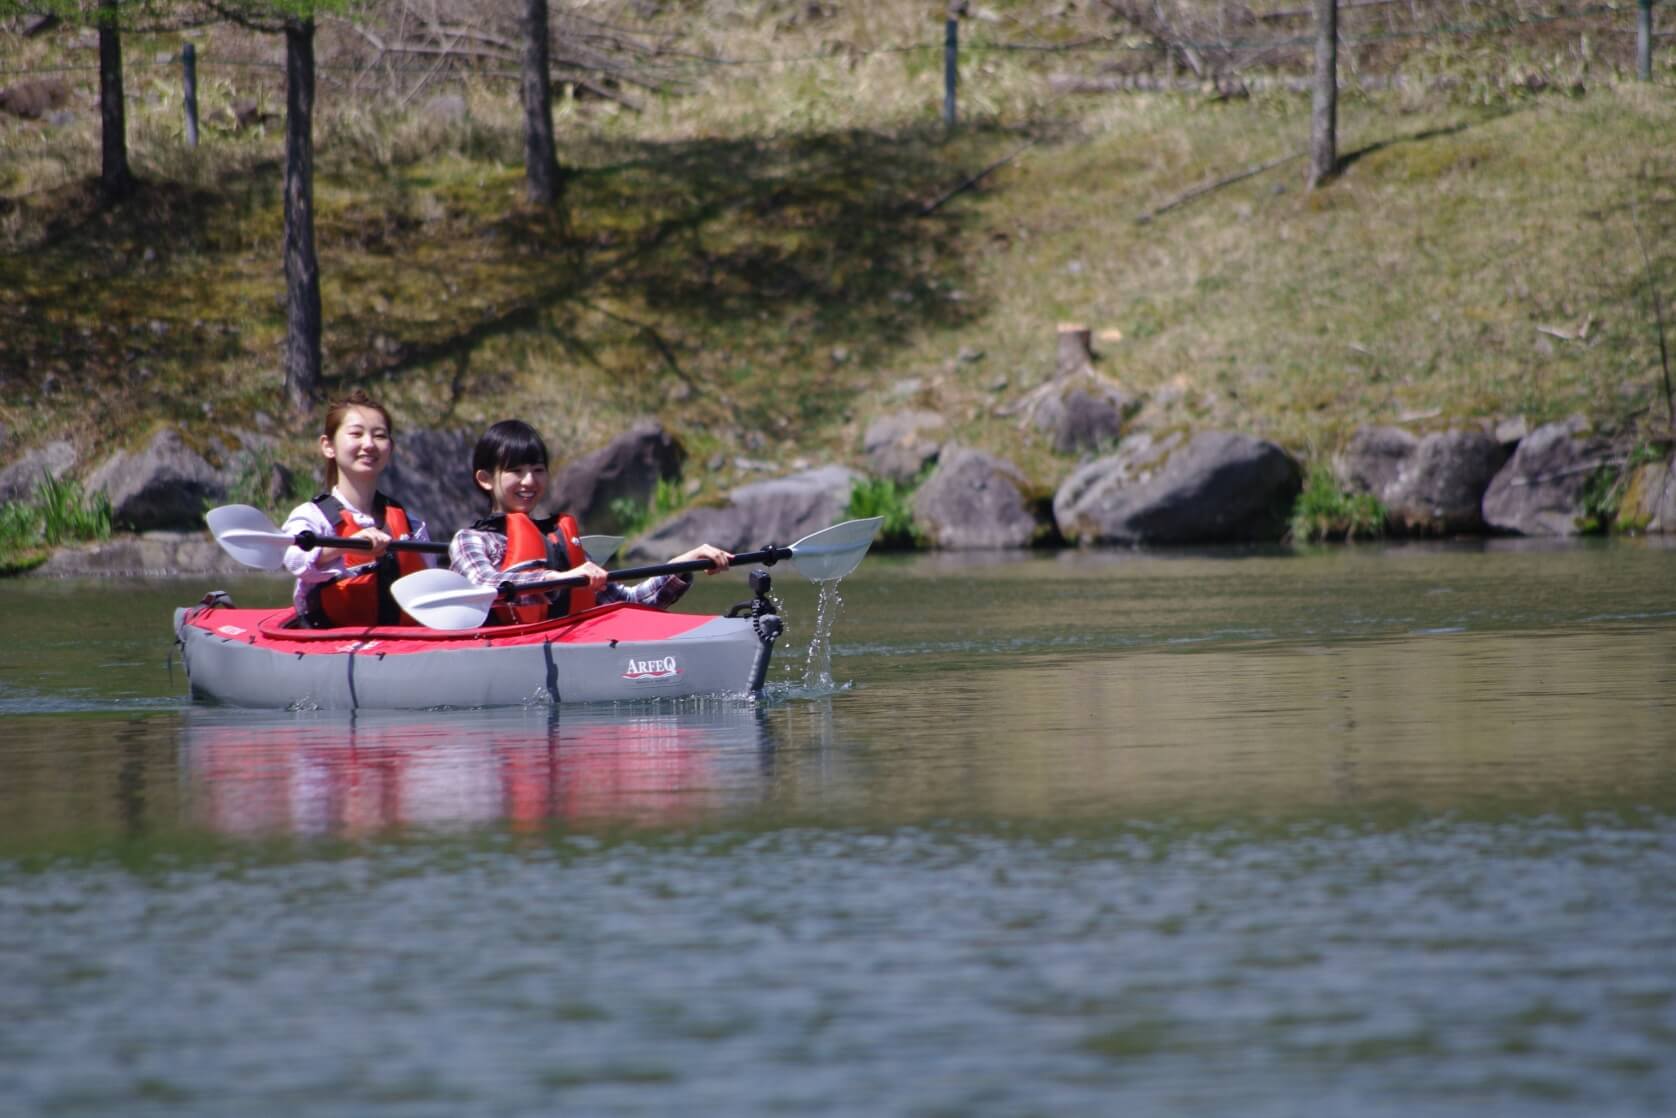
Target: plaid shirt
[478,556]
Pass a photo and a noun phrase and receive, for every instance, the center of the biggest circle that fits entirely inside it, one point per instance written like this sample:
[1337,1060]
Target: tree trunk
[1323,120]
[1644,40]
[115,180]
[302,267]
[541,164]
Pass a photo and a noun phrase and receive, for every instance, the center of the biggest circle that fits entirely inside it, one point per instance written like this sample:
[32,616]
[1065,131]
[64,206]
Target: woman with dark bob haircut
[513,544]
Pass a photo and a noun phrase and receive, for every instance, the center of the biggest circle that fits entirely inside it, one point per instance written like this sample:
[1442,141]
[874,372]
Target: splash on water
[795,691]
[817,666]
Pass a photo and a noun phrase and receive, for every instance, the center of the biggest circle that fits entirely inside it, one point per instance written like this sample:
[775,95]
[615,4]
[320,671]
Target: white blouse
[307,566]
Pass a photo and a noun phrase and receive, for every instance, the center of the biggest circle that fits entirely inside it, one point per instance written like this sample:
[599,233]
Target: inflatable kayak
[260,658]
[257,658]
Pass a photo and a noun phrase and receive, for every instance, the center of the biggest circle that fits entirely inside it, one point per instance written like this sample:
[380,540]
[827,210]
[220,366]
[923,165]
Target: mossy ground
[752,261]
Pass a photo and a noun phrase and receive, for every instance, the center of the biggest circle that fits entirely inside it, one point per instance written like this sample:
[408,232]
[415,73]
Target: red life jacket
[553,543]
[364,599]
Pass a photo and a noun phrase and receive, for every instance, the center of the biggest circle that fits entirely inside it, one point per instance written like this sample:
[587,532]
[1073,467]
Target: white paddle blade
[834,552]
[440,599]
[249,536]
[601,548]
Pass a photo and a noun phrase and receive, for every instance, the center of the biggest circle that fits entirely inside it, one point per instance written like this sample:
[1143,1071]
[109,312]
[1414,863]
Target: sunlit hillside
[769,236]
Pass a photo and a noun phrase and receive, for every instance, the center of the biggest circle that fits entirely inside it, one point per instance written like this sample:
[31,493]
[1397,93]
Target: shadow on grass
[725,266]
[102,297]
[1643,222]
[719,262]
[1349,158]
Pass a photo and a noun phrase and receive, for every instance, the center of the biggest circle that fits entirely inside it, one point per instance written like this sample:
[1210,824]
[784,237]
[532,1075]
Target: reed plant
[1325,510]
[68,515]
[58,513]
[891,500]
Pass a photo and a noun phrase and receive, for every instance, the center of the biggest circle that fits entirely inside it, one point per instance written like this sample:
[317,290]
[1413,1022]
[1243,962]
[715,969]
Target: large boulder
[1444,488]
[1219,488]
[629,467]
[1374,458]
[778,511]
[1077,409]
[1137,458]
[19,480]
[900,445]
[1539,492]
[1649,502]
[975,500]
[430,474]
[1430,486]
[1084,414]
[167,485]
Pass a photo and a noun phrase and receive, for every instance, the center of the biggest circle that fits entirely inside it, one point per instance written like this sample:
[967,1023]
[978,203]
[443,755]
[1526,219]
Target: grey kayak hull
[227,663]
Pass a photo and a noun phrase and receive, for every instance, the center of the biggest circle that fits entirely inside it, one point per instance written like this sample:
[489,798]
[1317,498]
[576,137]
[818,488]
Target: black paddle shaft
[768,555]
[309,540]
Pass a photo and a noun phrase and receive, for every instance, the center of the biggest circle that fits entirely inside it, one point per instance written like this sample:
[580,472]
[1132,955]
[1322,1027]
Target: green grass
[1323,511]
[891,500]
[631,517]
[751,261]
[21,546]
[59,513]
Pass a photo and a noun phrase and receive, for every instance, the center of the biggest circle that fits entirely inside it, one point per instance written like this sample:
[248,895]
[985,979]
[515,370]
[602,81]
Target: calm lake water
[1365,831]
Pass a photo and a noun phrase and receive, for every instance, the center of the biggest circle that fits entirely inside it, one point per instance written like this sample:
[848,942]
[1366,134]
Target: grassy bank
[752,261]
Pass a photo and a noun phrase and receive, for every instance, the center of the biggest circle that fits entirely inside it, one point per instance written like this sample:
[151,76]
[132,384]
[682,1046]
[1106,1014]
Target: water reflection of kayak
[250,658]
[335,774]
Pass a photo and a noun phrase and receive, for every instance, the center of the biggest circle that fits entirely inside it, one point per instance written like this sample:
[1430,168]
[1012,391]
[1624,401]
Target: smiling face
[514,488]
[360,446]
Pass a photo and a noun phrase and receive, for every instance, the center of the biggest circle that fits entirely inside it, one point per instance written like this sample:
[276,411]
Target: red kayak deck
[614,623]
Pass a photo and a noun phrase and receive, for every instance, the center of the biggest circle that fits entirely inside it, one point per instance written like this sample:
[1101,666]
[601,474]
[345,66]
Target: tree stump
[1075,351]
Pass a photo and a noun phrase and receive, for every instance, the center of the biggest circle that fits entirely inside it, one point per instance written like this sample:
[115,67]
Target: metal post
[1644,41]
[189,78]
[951,69]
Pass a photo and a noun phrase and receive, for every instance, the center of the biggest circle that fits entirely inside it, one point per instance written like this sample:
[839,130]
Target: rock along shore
[1162,487]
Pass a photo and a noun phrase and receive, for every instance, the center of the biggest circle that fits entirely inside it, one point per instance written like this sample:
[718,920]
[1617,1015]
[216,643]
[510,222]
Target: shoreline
[161,554]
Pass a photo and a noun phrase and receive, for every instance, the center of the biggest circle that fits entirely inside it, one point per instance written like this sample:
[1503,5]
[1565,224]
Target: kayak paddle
[249,536]
[442,599]
[600,548]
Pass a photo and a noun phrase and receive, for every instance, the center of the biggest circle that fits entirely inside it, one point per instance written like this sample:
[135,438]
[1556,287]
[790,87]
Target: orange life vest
[364,599]
[554,543]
